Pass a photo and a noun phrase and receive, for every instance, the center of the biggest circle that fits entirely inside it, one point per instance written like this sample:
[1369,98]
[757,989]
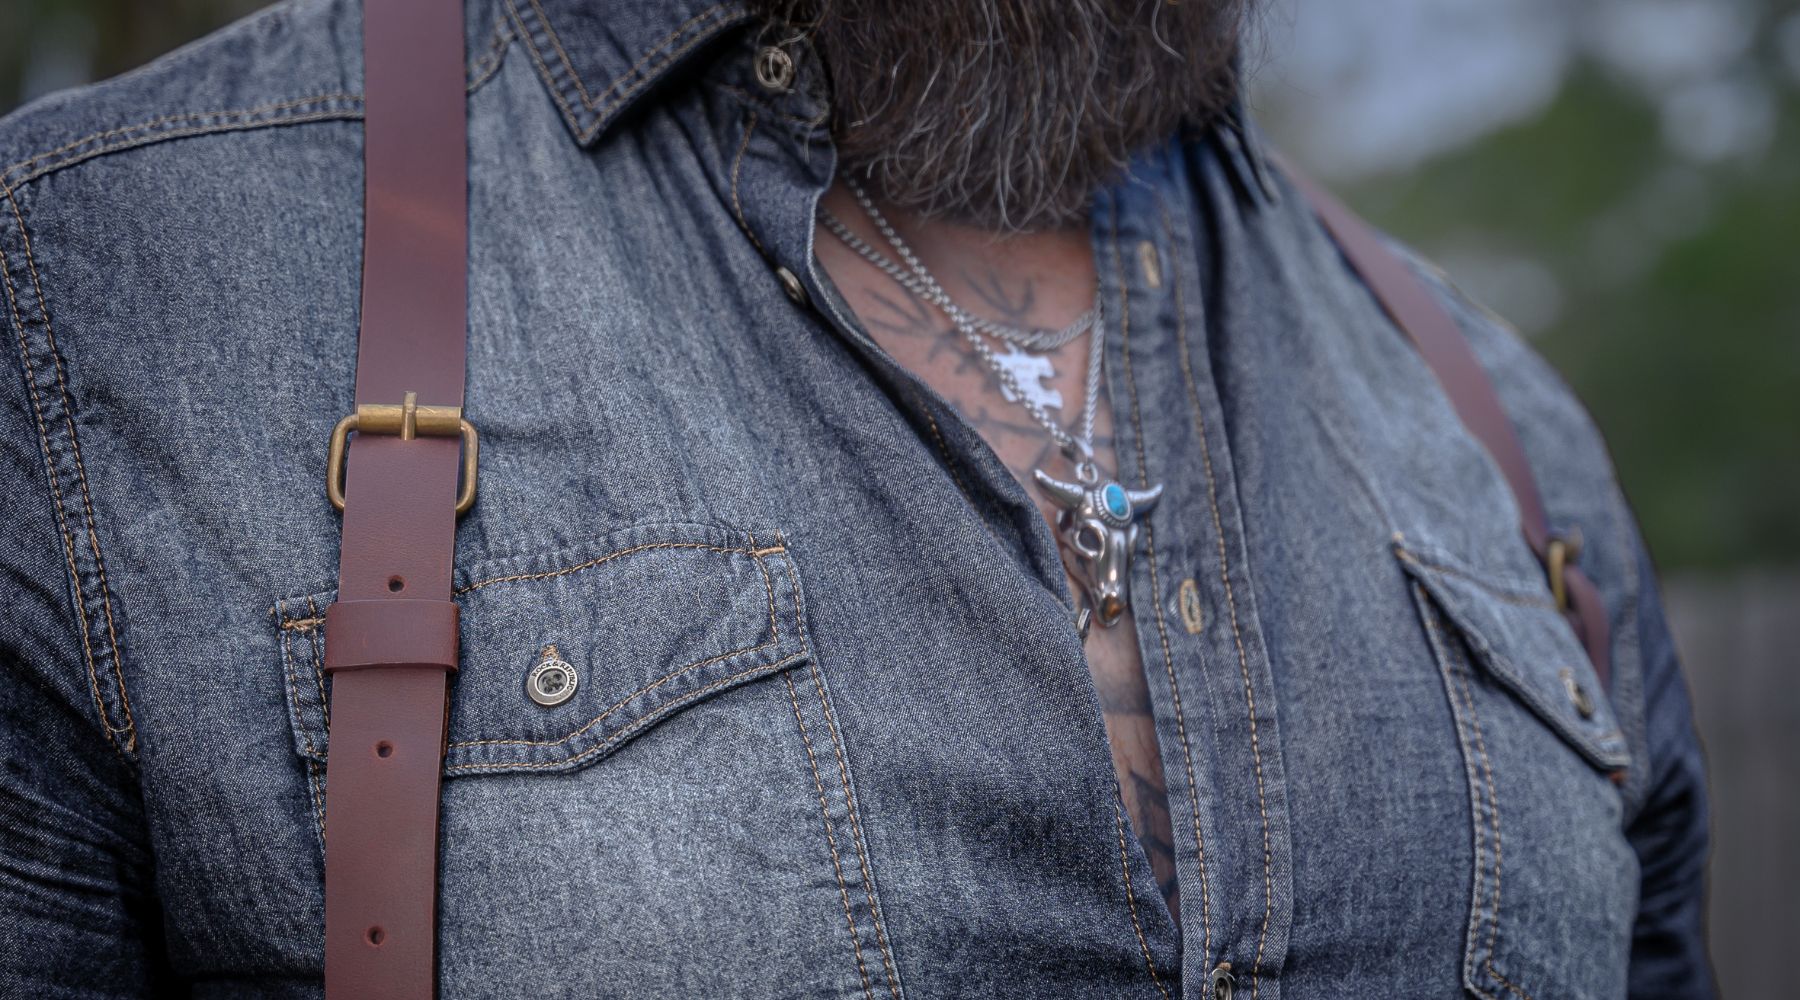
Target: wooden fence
[1740,643]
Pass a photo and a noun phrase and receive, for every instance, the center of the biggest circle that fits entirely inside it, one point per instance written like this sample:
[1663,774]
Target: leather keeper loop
[394,632]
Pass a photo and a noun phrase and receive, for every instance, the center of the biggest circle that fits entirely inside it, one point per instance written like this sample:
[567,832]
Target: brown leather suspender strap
[391,637]
[1416,310]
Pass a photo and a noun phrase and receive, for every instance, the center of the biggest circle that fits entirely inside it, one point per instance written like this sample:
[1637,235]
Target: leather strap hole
[375,935]
[396,584]
[384,749]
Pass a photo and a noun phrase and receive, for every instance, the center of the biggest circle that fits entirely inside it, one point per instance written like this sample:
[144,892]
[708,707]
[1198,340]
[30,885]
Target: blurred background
[1621,180]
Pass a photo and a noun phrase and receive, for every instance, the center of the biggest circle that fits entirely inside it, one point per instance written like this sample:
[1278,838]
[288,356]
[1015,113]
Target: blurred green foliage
[1686,347]
[49,44]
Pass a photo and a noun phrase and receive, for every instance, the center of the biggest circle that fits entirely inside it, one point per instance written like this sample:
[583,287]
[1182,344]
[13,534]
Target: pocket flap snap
[567,655]
[1514,630]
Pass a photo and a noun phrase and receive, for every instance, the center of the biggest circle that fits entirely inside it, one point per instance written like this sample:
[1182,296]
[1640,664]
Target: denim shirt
[833,733]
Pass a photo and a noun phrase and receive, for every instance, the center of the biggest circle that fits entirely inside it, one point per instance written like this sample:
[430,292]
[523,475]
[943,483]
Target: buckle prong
[406,420]
[1558,554]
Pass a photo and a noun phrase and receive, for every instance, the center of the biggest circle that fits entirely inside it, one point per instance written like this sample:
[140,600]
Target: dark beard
[1010,113]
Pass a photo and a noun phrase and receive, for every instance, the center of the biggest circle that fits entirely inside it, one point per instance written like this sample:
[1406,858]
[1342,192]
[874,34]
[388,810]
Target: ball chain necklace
[1097,520]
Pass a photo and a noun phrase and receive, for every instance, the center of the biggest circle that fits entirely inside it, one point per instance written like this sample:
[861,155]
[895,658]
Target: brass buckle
[408,420]
[1558,554]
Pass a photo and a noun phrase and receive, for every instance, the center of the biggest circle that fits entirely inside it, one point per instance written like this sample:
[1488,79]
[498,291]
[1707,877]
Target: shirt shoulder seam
[321,107]
[318,107]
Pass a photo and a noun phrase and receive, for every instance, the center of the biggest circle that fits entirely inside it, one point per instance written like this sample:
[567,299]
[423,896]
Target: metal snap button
[1578,694]
[1193,614]
[1150,263]
[552,681]
[790,283]
[774,69]
[1220,982]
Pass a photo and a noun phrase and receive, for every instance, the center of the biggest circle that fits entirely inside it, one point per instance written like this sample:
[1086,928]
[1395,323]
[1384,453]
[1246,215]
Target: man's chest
[829,700]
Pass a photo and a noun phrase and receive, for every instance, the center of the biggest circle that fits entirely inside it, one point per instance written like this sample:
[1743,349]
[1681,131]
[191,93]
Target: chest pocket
[639,735]
[1555,882]
[632,629]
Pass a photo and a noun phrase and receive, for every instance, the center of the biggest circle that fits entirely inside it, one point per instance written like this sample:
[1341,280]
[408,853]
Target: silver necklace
[917,280]
[1097,520]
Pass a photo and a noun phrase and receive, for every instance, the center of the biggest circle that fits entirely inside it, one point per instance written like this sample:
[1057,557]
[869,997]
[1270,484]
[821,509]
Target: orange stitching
[318,796]
[87,502]
[737,167]
[562,53]
[856,837]
[662,712]
[1180,725]
[621,703]
[62,518]
[1131,901]
[313,620]
[312,773]
[830,840]
[1187,754]
[167,120]
[1487,770]
[587,100]
[604,113]
[1212,497]
[475,71]
[182,133]
[287,663]
[769,588]
[659,682]
[537,60]
[1489,587]
[1442,654]
[318,667]
[666,39]
[597,560]
[494,58]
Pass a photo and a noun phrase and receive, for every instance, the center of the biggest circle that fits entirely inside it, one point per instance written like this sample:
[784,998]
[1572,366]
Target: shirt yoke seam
[320,107]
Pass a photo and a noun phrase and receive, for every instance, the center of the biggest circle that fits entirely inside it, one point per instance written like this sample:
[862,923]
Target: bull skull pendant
[1098,522]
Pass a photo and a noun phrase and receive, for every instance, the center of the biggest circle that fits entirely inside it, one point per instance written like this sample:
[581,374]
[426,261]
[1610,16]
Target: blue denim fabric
[833,734]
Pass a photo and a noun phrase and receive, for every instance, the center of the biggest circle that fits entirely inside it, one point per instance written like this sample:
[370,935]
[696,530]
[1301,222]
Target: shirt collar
[597,59]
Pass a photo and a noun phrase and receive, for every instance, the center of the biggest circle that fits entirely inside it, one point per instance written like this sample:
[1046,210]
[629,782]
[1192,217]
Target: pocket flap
[649,619]
[1514,630]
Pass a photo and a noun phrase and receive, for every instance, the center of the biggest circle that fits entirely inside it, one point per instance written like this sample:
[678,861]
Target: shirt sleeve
[1669,832]
[77,914]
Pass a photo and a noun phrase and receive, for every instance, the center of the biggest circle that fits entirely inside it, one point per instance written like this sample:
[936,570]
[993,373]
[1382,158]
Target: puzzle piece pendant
[1029,372]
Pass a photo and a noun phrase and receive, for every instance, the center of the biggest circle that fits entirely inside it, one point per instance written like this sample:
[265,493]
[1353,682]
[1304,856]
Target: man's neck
[1037,280]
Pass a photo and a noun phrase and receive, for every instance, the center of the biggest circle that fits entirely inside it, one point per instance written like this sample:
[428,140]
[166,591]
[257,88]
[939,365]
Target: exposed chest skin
[1041,280]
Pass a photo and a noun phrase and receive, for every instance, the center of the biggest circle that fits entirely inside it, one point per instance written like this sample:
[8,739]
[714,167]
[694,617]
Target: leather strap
[1416,310]
[391,637]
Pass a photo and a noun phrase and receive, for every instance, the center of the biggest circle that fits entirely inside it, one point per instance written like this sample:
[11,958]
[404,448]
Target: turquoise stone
[1113,495]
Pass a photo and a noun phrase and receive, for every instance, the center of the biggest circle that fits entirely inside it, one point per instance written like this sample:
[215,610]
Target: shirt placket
[1213,700]
[1200,638]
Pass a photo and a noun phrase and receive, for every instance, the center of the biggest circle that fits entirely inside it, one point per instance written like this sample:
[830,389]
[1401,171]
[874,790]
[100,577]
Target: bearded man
[951,524]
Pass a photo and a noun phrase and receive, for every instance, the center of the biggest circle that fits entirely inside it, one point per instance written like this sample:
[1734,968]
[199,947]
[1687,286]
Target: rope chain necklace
[1097,520]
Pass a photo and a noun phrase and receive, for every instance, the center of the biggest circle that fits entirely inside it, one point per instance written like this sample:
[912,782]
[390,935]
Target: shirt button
[1188,606]
[1578,695]
[774,69]
[1150,264]
[1220,984]
[791,285]
[552,681]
